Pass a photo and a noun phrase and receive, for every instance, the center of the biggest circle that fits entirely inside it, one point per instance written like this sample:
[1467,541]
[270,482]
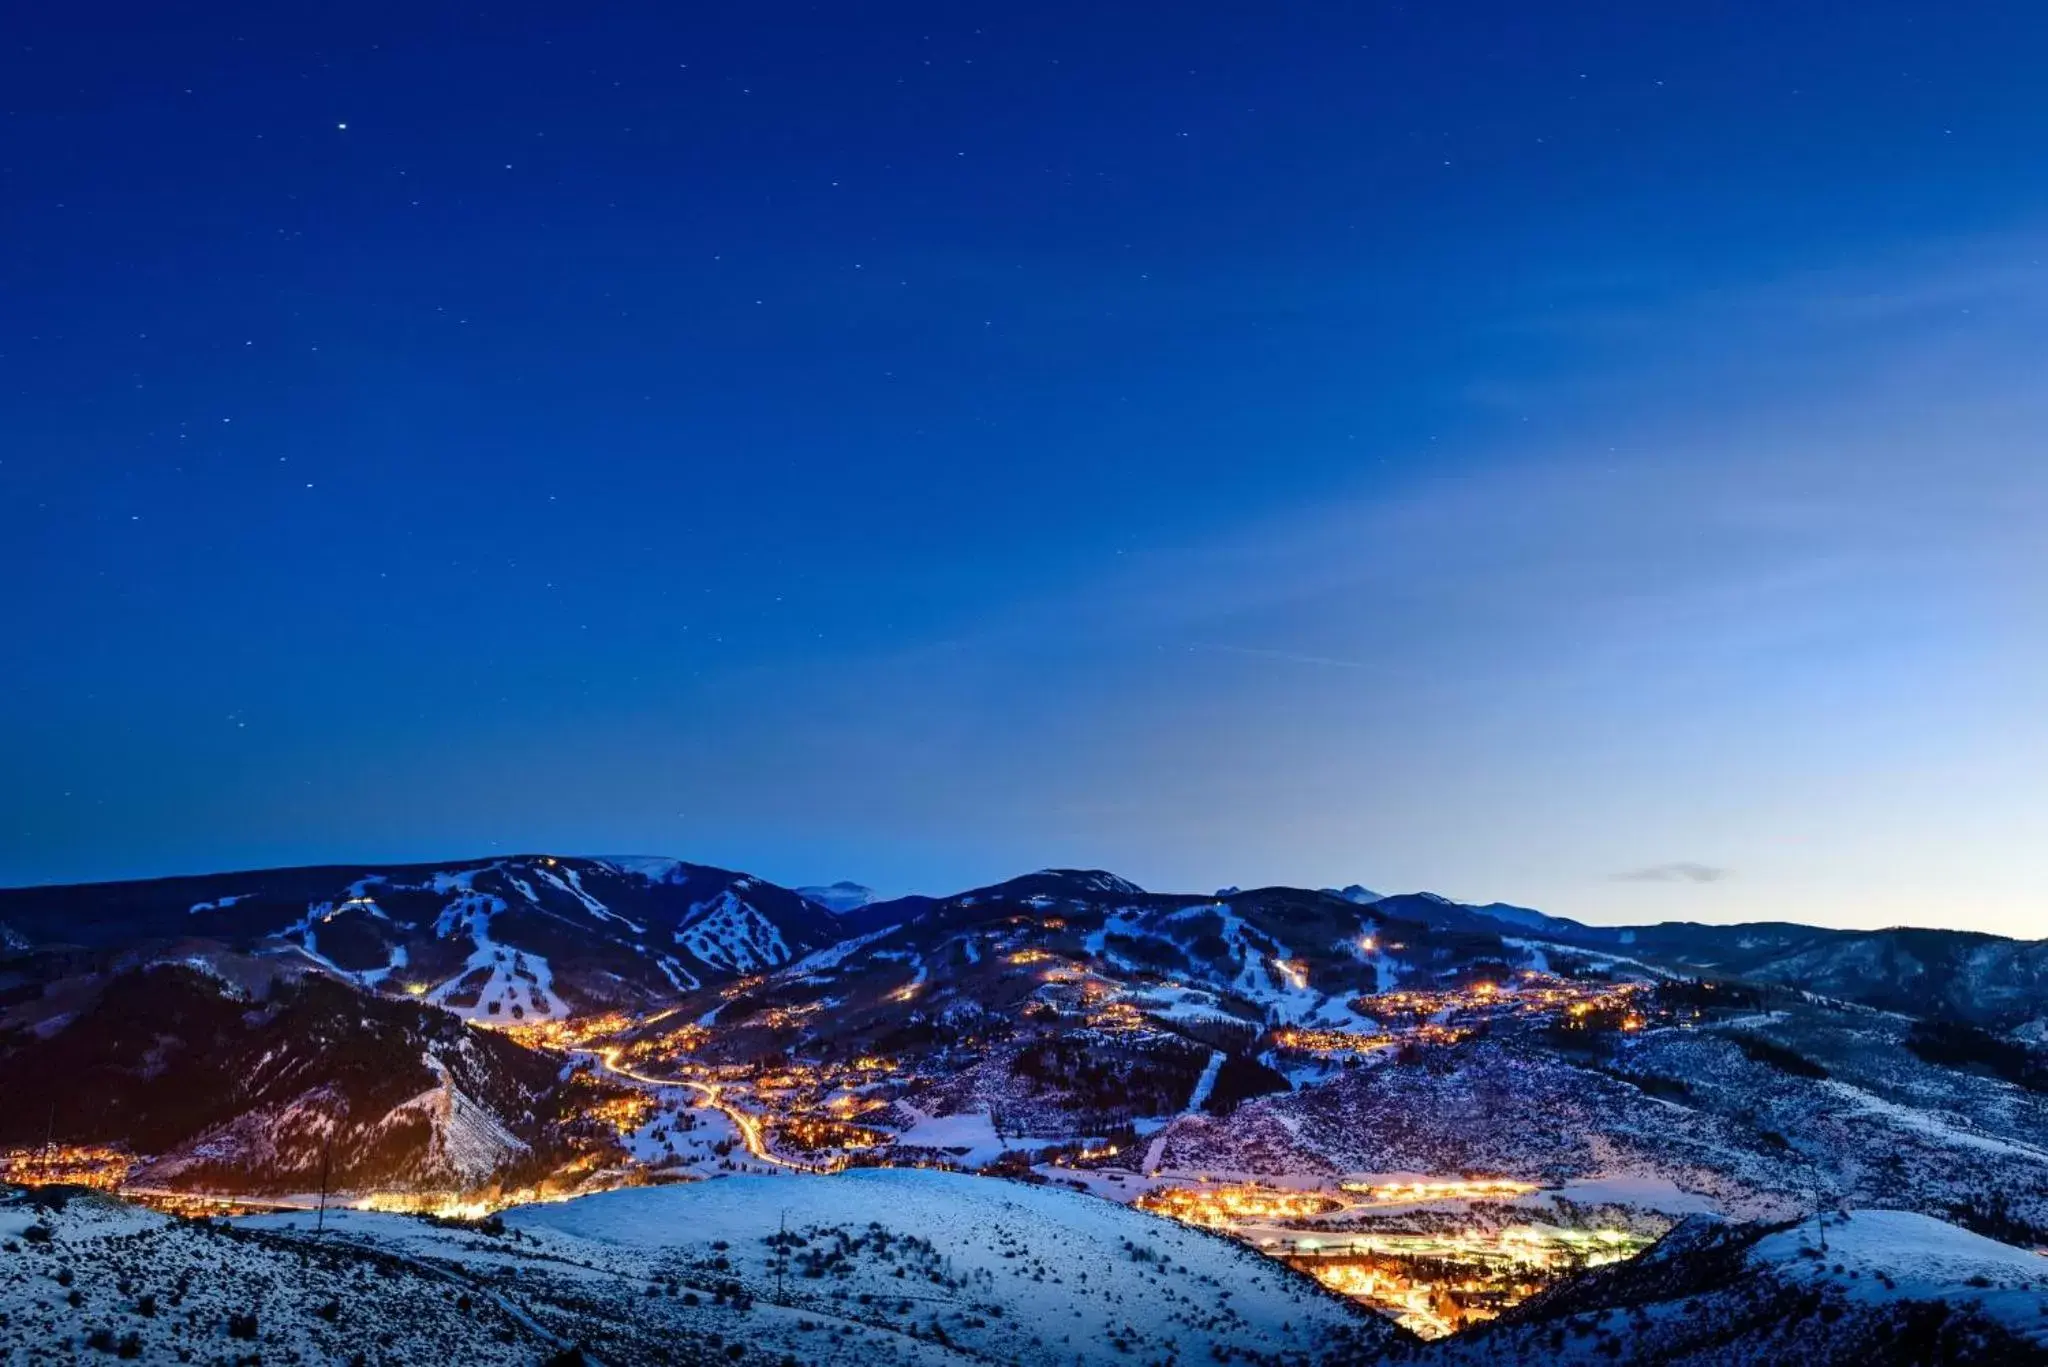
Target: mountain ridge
[1506,912]
[678,924]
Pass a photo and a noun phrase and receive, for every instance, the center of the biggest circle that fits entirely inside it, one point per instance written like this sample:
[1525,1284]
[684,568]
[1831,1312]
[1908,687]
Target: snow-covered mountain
[1434,909]
[840,897]
[520,938]
[542,936]
[1057,885]
[1981,979]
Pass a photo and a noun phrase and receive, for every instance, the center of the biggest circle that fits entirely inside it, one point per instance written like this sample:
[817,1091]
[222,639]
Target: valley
[1443,1122]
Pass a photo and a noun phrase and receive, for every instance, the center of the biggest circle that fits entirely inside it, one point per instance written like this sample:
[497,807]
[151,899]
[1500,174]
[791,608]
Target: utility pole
[326,1162]
[781,1251]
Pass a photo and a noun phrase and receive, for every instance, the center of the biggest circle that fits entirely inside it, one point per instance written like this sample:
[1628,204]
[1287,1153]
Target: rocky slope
[229,1073]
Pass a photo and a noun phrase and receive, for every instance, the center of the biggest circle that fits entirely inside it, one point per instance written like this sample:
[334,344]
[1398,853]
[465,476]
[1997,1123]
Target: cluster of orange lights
[795,1077]
[624,1112]
[1223,1206]
[1436,1282]
[1534,994]
[194,1204]
[570,1032]
[460,1206]
[1331,1042]
[76,1165]
[1117,1017]
[1428,1306]
[814,1134]
[1433,1280]
[786,1017]
[1459,1189]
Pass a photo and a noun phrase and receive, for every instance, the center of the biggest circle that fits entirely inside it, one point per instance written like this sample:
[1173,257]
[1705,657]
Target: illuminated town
[1398,1193]
[1526,995]
[96,1166]
[1229,1206]
[1434,1280]
[1436,1283]
[758,1075]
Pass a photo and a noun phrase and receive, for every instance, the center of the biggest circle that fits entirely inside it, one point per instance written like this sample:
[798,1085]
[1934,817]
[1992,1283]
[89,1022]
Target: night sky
[1592,455]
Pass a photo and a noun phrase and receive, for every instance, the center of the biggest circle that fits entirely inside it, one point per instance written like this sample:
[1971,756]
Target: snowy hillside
[881,1267]
[932,1269]
[869,1268]
[87,1279]
[1872,1286]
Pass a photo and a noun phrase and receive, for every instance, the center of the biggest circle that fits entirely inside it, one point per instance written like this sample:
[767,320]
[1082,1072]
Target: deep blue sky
[1579,454]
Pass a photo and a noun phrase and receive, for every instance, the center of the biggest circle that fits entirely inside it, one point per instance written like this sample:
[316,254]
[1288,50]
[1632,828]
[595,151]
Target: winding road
[752,1134]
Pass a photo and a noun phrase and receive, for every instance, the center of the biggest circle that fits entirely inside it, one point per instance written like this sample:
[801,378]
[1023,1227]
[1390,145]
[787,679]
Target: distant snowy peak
[1050,887]
[1358,893]
[1525,917]
[1436,909]
[655,868]
[1093,880]
[838,898]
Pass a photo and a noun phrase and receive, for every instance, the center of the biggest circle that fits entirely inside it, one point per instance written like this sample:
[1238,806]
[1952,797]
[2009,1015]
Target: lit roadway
[748,1125]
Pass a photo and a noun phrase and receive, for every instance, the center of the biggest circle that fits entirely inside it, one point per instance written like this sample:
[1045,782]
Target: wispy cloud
[1683,871]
